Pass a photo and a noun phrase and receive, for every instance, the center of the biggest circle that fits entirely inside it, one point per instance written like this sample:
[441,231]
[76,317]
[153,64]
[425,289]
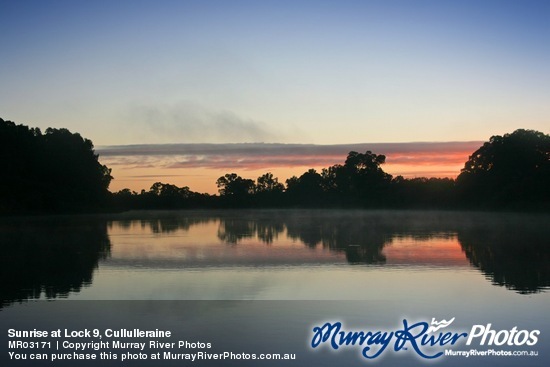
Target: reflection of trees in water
[511,253]
[510,249]
[360,235]
[49,256]
[161,224]
[58,256]
[355,236]
[360,244]
[234,230]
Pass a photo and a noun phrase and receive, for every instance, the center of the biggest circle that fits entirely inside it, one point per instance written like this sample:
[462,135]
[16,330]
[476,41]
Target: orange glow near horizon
[200,172]
[444,251]
[204,179]
[200,243]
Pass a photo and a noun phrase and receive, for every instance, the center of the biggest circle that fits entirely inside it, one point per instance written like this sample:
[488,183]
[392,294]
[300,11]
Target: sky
[199,165]
[288,72]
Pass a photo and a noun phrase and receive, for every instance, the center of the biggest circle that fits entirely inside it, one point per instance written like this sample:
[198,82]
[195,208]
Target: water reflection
[55,256]
[513,252]
[49,257]
[163,222]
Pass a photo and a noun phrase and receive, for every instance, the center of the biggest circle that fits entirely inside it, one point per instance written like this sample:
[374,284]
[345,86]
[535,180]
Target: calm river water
[360,267]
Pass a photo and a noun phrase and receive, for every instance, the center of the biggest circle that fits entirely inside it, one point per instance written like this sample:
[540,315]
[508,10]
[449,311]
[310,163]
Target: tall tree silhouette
[235,190]
[306,190]
[509,170]
[366,177]
[266,183]
[268,190]
[359,181]
[52,171]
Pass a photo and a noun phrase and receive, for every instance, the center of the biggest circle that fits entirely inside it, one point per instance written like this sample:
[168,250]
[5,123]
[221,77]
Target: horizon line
[169,149]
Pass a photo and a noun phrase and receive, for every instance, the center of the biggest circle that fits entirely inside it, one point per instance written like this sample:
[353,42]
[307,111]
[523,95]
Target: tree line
[51,171]
[58,171]
[508,172]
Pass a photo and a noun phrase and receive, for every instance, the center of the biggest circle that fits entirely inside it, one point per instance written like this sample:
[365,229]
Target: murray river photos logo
[427,340]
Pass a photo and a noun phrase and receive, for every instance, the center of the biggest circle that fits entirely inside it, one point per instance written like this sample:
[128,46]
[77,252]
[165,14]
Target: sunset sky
[313,75]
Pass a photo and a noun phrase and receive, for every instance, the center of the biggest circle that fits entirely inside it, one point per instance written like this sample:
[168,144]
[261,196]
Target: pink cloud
[258,156]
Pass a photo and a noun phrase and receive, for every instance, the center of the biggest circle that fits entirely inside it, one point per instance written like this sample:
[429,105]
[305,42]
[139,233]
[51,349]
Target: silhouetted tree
[235,190]
[268,190]
[335,179]
[125,199]
[365,174]
[307,189]
[359,181]
[169,196]
[59,171]
[233,185]
[169,190]
[268,183]
[160,196]
[422,193]
[54,171]
[509,170]
[19,155]
[71,171]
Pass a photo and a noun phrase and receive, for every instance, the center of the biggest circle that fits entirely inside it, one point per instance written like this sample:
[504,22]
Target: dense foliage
[508,172]
[510,169]
[49,172]
[58,171]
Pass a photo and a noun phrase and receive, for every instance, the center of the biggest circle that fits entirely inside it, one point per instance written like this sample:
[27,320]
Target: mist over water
[205,274]
[274,254]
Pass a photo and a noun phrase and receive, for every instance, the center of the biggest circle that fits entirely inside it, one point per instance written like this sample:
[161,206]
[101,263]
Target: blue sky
[323,72]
